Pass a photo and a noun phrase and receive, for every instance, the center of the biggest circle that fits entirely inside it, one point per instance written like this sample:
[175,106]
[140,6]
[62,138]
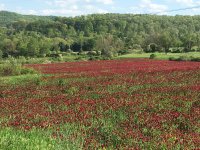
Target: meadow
[161,56]
[112,104]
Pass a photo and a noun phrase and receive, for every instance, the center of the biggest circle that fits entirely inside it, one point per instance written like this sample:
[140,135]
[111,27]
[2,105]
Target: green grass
[161,55]
[135,55]
[40,139]
[40,60]
[12,139]
[18,80]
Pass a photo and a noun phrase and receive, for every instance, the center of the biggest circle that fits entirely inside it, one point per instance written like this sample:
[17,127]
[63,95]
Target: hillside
[10,17]
[111,34]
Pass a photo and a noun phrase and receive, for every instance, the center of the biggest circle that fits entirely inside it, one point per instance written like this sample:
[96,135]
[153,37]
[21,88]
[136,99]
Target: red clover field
[113,104]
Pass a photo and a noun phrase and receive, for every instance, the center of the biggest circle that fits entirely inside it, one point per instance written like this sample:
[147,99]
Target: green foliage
[152,56]
[172,59]
[185,58]
[13,70]
[195,59]
[13,67]
[10,17]
[9,69]
[37,36]
[11,139]
[1,54]
[152,48]
[35,139]
[28,71]
[163,56]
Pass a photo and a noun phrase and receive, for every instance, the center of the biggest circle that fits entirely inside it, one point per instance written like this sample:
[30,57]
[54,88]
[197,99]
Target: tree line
[105,34]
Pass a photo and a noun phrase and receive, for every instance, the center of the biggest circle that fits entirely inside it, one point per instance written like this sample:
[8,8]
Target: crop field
[114,104]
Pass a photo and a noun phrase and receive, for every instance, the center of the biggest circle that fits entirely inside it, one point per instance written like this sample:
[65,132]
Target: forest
[97,34]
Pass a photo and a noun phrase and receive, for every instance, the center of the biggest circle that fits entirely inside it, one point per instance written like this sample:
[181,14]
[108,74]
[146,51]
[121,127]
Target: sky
[82,7]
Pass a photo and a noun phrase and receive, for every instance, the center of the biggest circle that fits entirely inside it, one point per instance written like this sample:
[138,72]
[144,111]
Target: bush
[92,53]
[123,52]
[151,48]
[182,58]
[21,60]
[95,58]
[137,46]
[176,50]
[25,70]
[195,59]
[80,59]
[1,54]
[39,61]
[10,69]
[152,56]
[172,59]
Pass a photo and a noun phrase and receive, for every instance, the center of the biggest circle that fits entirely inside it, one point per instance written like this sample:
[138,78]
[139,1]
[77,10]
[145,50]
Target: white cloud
[62,8]
[106,2]
[2,7]
[64,3]
[31,12]
[187,2]
[148,6]
[50,3]
[74,7]
[26,12]
[61,12]
[70,7]
[101,11]
[48,11]
[90,9]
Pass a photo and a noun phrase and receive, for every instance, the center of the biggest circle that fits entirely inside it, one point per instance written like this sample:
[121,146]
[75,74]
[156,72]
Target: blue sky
[82,7]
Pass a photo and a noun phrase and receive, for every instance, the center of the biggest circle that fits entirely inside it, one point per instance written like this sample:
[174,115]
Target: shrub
[1,54]
[106,54]
[22,60]
[95,58]
[92,53]
[182,58]
[151,48]
[123,52]
[25,70]
[176,50]
[195,59]
[152,56]
[172,59]
[137,46]
[10,69]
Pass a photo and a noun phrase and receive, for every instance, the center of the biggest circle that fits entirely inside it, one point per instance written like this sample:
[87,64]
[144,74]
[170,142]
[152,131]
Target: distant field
[115,104]
[161,55]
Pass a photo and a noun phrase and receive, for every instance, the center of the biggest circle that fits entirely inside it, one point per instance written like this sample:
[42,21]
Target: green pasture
[161,56]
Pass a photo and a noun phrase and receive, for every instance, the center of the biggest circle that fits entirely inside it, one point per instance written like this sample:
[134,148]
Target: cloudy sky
[82,7]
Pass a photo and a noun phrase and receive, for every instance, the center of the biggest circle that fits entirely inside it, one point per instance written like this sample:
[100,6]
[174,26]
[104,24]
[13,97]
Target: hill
[7,17]
[30,35]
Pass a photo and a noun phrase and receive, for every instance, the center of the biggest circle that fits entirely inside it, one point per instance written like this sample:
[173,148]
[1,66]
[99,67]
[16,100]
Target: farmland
[112,104]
